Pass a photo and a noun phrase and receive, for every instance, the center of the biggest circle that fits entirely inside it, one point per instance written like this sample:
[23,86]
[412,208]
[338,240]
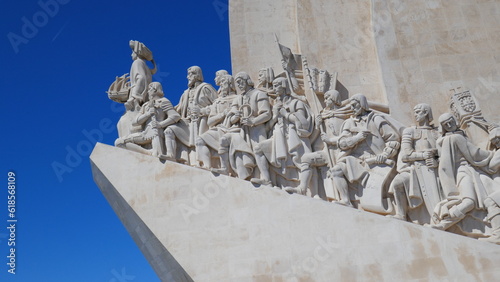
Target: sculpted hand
[195,110]
[206,111]
[319,119]
[154,123]
[324,138]
[247,121]
[361,135]
[428,155]
[151,111]
[329,173]
[283,112]
[283,64]
[431,162]
[380,159]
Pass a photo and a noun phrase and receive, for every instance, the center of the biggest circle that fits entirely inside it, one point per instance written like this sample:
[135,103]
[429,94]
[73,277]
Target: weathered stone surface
[192,224]
[426,48]
[405,52]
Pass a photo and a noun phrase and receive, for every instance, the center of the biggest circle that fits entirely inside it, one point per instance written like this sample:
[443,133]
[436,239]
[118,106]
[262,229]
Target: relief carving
[293,131]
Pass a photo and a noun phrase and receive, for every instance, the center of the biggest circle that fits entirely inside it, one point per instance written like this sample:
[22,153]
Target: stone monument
[242,183]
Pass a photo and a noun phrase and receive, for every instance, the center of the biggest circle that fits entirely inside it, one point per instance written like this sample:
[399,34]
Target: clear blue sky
[57,61]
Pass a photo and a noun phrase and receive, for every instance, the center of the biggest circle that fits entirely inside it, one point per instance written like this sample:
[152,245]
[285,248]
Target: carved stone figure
[292,124]
[154,116]
[462,187]
[193,108]
[265,80]
[249,113]
[332,117]
[217,127]
[218,77]
[369,142]
[466,109]
[417,185]
[492,202]
[140,74]
[132,89]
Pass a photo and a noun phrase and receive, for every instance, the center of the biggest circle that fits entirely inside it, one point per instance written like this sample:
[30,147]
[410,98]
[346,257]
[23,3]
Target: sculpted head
[194,75]
[243,81]
[139,50]
[421,112]
[332,97]
[218,76]
[280,86]
[155,90]
[227,85]
[447,123]
[262,76]
[359,104]
[266,75]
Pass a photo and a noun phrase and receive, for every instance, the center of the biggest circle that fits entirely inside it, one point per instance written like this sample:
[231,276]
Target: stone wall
[396,52]
[192,224]
[427,48]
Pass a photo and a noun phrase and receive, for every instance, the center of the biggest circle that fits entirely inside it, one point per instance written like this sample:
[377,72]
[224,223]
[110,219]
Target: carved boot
[455,216]
[224,163]
[263,166]
[494,219]
[297,190]
[170,144]
[341,186]
[203,154]
[495,234]
[305,177]
[260,181]
[401,204]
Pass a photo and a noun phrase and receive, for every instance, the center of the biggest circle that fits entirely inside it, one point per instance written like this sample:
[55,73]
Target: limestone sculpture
[328,122]
[140,73]
[459,159]
[193,108]
[218,77]
[416,188]
[369,142]
[131,89]
[265,80]
[250,110]
[291,126]
[217,122]
[492,202]
[349,152]
[320,80]
[154,115]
